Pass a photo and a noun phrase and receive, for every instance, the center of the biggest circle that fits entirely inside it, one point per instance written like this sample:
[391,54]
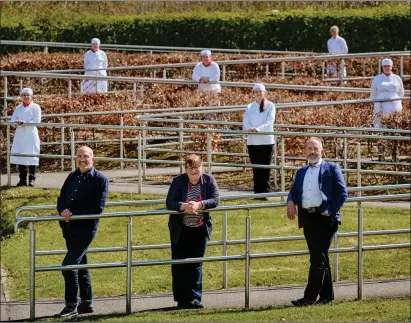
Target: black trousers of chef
[23,173]
[319,231]
[261,155]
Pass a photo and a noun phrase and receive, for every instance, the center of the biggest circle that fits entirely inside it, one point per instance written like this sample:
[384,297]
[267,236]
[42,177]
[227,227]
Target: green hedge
[366,30]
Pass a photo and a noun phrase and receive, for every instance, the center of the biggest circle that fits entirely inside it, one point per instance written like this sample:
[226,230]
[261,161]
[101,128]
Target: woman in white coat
[386,85]
[26,138]
[259,117]
[93,59]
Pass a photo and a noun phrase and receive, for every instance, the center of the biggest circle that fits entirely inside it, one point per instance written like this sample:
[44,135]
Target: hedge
[365,30]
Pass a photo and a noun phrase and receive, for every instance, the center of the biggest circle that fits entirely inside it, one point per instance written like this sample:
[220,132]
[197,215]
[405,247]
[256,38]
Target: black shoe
[84,308]
[21,183]
[302,302]
[68,311]
[323,301]
[261,199]
[31,183]
[190,305]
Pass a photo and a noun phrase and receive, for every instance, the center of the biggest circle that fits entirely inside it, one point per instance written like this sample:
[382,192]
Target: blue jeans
[74,279]
[187,278]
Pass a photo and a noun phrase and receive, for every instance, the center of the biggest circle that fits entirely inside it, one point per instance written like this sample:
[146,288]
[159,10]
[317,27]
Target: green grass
[375,310]
[153,230]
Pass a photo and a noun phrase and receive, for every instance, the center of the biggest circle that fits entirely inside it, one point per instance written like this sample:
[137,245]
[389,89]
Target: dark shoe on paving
[31,183]
[302,302]
[84,308]
[323,301]
[261,199]
[68,311]
[190,305]
[22,183]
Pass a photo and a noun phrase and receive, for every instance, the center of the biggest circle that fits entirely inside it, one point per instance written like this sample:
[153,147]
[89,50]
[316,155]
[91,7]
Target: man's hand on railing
[66,214]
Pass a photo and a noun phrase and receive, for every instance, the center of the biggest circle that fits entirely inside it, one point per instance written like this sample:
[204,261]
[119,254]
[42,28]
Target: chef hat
[26,90]
[386,61]
[95,41]
[259,86]
[206,52]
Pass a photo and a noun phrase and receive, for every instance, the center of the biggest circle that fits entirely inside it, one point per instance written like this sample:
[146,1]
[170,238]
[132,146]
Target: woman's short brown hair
[193,161]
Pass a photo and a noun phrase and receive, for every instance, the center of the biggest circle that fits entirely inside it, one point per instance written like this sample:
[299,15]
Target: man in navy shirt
[84,192]
[319,192]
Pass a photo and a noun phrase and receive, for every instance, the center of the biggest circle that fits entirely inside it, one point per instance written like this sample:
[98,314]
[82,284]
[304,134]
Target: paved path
[18,311]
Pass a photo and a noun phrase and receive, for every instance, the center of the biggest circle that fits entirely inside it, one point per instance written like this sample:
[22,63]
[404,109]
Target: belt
[311,210]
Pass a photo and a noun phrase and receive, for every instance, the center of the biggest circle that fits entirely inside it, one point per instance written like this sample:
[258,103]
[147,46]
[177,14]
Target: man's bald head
[84,159]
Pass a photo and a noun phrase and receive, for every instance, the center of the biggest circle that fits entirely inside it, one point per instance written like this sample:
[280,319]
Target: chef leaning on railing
[26,139]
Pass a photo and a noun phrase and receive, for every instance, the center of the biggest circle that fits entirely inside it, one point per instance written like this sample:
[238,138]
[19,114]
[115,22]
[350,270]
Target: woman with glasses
[259,117]
[386,85]
[190,194]
[26,139]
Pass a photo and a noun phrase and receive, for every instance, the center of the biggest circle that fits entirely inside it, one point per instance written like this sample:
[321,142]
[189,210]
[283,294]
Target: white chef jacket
[212,71]
[337,45]
[262,121]
[387,87]
[312,196]
[93,60]
[26,138]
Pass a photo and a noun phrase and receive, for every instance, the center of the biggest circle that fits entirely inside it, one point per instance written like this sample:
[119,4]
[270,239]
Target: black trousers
[262,155]
[319,231]
[187,278]
[23,173]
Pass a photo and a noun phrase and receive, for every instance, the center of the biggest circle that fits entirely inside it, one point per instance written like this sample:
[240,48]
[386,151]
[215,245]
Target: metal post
[282,69]
[359,169]
[360,253]
[73,150]
[336,257]
[5,96]
[345,159]
[247,259]
[46,50]
[180,142]
[275,163]
[323,71]
[121,141]
[267,70]
[21,85]
[8,157]
[402,67]
[69,88]
[379,66]
[32,251]
[140,177]
[282,167]
[224,73]
[129,264]
[342,64]
[164,73]
[134,91]
[144,153]
[209,153]
[62,147]
[225,263]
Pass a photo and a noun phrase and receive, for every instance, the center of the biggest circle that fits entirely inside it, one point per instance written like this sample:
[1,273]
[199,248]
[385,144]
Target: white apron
[26,138]
[93,60]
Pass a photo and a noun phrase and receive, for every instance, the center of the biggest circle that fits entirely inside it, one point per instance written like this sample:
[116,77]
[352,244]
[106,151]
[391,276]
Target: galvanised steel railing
[129,263]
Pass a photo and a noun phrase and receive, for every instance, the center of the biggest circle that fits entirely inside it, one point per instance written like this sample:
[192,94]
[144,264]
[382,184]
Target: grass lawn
[375,310]
[153,230]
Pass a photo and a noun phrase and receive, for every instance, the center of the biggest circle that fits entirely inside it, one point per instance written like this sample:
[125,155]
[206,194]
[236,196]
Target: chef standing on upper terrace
[95,58]
[336,45]
[205,72]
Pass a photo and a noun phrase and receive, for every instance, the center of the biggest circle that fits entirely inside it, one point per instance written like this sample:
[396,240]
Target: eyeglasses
[193,168]
[386,66]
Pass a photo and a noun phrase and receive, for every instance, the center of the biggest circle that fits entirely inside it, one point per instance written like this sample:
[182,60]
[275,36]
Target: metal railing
[248,256]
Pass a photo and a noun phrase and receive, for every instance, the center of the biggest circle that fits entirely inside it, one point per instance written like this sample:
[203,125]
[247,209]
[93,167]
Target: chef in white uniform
[386,85]
[205,72]
[336,46]
[26,138]
[93,59]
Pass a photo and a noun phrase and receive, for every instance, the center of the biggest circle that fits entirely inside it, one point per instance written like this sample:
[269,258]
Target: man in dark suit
[319,192]
[84,192]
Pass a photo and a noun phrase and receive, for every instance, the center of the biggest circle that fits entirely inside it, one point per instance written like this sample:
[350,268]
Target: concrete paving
[282,295]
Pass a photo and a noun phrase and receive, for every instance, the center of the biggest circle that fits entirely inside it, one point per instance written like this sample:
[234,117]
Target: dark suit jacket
[90,199]
[332,187]
[177,195]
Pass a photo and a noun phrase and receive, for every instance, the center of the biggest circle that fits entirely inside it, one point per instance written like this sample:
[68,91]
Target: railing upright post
[342,69]
[247,260]
[224,73]
[21,84]
[45,50]
[359,169]
[140,175]
[62,129]
[267,71]
[322,71]
[282,166]
[73,150]
[121,141]
[336,257]
[129,264]
[181,142]
[275,163]
[209,153]
[32,251]
[379,66]
[345,159]
[144,153]
[360,252]
[164,73]
[225,263]
[5,96]
[134,92]
[69,88]
[283,69]
[402,67]
[8,157]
